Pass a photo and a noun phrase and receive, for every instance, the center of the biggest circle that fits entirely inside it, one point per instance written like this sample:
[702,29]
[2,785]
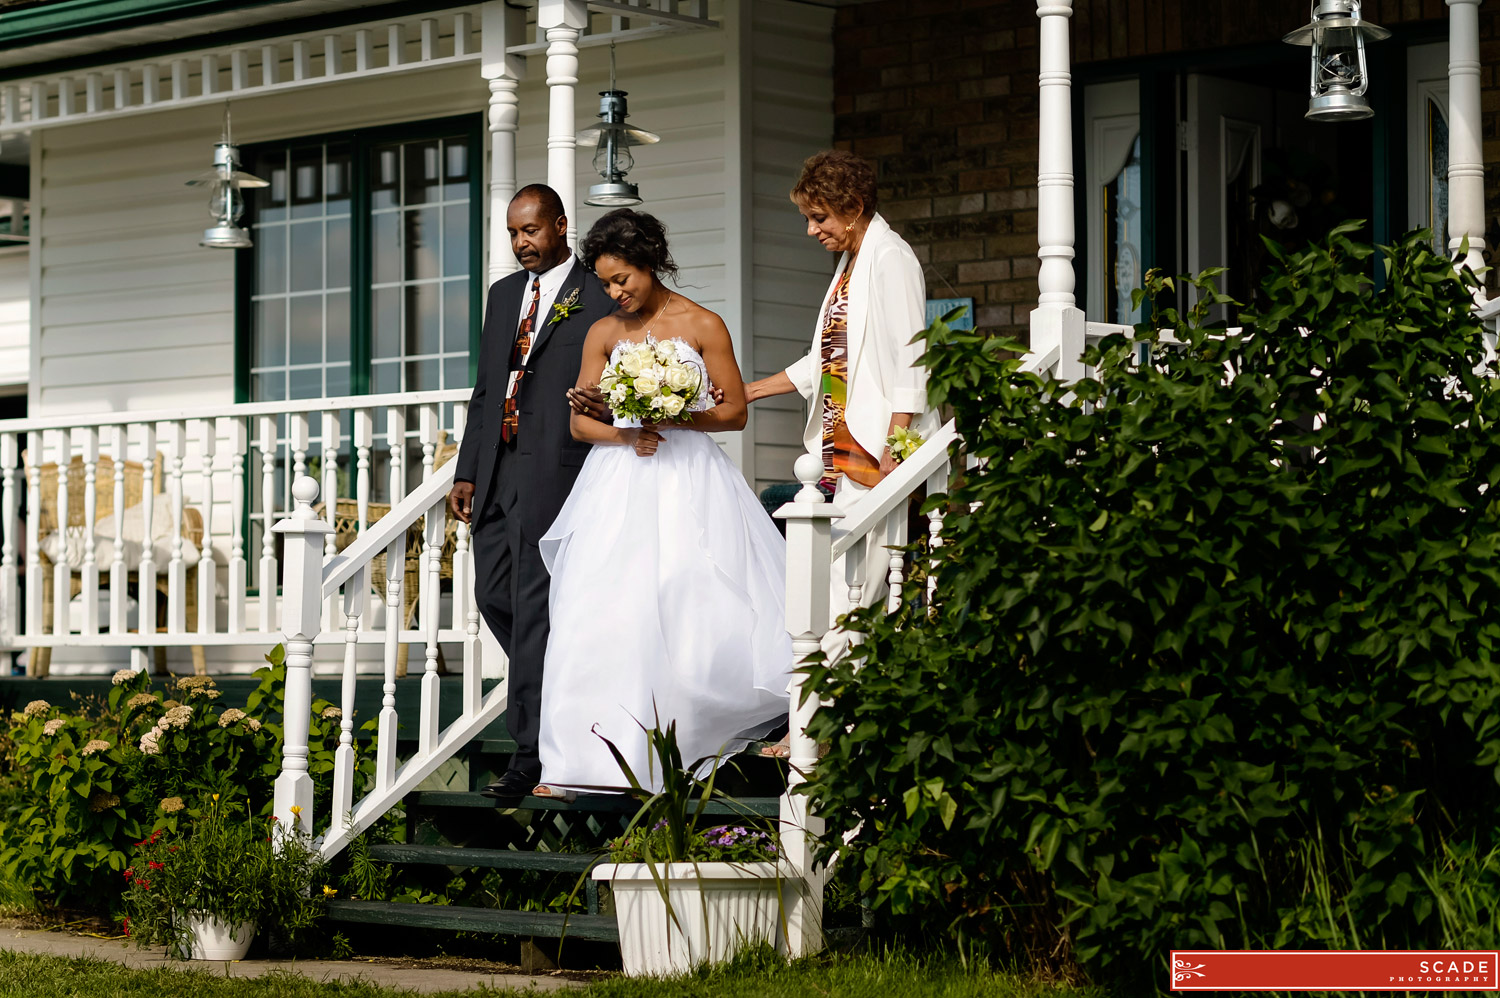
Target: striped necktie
[518,356]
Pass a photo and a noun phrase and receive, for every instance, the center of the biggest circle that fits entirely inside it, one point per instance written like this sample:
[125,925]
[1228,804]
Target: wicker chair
[346,529]
[192,529]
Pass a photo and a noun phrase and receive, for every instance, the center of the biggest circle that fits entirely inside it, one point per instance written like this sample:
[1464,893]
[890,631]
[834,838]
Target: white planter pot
[211,939]
[719,908]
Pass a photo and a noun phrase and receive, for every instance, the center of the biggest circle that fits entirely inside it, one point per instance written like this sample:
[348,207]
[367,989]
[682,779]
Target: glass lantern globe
[1339,74]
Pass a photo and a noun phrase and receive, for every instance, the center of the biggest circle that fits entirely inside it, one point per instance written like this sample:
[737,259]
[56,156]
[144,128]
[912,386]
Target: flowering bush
[720,844]
[221,863]
[78,787]
[650,383]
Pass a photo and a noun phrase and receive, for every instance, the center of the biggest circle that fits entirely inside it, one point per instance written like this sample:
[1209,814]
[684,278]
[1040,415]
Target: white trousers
[876,568]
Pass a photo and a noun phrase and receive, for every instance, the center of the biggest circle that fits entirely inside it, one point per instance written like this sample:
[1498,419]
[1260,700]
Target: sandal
[546,791]
[781,750]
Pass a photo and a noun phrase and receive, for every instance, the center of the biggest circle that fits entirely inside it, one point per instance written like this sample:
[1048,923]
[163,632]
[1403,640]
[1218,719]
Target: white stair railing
[817,534]
[309,584]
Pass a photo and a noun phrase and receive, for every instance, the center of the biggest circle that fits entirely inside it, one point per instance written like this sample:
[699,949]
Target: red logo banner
[1343,970]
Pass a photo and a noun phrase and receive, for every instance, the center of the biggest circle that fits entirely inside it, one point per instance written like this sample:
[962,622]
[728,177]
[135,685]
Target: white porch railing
[228,469]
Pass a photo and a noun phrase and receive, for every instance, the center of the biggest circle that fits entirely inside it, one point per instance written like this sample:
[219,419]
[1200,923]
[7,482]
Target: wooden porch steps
[489,859]
[767,807]
[544,924]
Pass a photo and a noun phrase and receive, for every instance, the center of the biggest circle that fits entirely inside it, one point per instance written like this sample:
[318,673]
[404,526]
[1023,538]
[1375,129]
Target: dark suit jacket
[545,458]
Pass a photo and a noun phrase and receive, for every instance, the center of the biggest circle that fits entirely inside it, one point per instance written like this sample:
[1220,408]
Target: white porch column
[563,21]
[1056,319]
[1465,151]
[501,26]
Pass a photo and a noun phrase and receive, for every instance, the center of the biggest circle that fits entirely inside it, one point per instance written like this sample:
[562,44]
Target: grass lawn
[893,976]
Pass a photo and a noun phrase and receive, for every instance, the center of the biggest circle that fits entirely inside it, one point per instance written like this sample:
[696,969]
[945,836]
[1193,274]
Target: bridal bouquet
[650,383]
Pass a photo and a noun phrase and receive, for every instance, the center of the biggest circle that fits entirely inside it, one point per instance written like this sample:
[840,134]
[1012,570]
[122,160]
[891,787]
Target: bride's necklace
[658,315]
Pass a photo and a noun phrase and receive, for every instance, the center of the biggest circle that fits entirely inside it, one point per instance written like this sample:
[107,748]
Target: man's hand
[461,501]
[589,401]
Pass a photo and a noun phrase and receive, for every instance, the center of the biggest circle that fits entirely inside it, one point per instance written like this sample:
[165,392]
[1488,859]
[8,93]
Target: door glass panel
[1122,238]
[1437,175]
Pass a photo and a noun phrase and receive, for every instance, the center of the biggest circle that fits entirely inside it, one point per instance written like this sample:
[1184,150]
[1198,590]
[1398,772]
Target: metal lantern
[612,139]
[1339,75]
[226,202]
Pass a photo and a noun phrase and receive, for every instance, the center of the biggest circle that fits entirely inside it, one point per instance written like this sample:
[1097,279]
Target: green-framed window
[366,275]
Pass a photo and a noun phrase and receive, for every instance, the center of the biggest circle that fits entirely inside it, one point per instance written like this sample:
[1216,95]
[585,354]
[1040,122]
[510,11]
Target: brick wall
[942,96]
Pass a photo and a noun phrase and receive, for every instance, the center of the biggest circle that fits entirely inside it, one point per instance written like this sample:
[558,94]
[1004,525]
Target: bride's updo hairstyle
[635,237]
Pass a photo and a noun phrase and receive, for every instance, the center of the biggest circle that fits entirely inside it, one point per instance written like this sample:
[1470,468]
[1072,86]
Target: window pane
[385,377]
[456,316]
[422,319]
[307,382]
[385,246]
[338,384]
[336,178]
[422,375]
[307,330]
[1122,238]
[269,330]
[336,326]
[385,176]
[421,244]
[269,387]
[307,255]
[269,203]
[270,258]
[423,172]
[456,372]
[456,240]
[338,252]
[386,318]
[307,182]
[455,169]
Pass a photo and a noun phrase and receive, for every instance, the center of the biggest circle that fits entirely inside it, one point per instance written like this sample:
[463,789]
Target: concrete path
[423,979]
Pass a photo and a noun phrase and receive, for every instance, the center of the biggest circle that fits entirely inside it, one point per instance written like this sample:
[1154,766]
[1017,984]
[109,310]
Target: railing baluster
[333,55]
[267,445]
[177,566]
[395,430]
[364,439]
[208,446]
[465,606]
[239,452]
[936,485]
[432,533]
[362,50]
[33,538]
[90,571]
[463,24]
[209,81]
[301,60]
[239,69]
[119,606]
[62,573]
[93,93]
[10,591]
[395,52]
[270,65]
[429,39]
[122,89]
[146,586]
[298,437]
[343,758]
[385,755]
[330,470]
[179,79]
[895,537]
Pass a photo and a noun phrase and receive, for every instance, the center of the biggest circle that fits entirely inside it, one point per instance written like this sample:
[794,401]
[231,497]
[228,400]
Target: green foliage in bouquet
[1212,661]
[220,862]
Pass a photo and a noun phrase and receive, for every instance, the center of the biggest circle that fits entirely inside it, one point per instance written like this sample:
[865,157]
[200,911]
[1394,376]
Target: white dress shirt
[552,282]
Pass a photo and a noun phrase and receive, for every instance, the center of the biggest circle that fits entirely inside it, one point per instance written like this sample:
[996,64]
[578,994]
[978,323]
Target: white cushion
[132,535]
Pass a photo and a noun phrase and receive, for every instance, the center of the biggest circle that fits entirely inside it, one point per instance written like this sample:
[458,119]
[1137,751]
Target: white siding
[15,317]
[791,118]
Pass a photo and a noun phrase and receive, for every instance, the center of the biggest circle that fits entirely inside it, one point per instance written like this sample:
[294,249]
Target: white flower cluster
[176,717]
[650,381]
[230,716]
[36,708]
[122,676]
[53,726]
[95,745]
[151,742]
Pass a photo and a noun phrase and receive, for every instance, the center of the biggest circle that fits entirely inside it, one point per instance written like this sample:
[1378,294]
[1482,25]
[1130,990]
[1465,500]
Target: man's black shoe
[511,787]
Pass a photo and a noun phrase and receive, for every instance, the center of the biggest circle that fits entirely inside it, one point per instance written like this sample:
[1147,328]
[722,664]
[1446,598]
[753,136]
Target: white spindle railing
[222,468]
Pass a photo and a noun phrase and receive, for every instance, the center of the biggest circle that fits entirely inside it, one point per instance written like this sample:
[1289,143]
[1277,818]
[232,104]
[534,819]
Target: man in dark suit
[519,460]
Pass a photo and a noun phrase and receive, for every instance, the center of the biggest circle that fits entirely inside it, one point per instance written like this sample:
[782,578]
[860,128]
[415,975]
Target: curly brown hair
[838,181]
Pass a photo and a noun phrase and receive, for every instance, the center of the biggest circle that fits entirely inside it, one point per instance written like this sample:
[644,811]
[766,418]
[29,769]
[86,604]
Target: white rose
[608,380]
[659,401]
[647,384]
[672,405]
[681,378]
[666,351]
[632,363]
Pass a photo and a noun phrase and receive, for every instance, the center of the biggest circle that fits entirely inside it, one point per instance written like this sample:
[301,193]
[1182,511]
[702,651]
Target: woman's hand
[888,462]
[645,440]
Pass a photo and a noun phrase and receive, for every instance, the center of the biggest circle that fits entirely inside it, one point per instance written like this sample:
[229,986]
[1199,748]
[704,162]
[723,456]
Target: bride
[667,591]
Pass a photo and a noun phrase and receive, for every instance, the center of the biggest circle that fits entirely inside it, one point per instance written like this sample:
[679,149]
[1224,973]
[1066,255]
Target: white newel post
[563,21]
[501,26]
[301,613]
[809,560]
[1057,318]
[1465,146]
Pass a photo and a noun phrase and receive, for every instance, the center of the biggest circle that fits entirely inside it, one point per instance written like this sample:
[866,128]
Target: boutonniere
[562,309]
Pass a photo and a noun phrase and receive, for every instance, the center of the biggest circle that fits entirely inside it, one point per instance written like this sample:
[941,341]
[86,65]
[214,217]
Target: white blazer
[887,308]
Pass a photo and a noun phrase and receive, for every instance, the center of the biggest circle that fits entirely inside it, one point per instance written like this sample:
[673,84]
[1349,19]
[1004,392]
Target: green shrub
[78,787]
[1212,662]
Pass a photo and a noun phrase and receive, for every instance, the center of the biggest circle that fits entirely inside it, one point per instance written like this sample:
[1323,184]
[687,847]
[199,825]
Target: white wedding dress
[668,600]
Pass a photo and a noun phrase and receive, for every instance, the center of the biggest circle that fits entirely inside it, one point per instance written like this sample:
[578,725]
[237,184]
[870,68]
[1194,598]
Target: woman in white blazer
[863,373]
